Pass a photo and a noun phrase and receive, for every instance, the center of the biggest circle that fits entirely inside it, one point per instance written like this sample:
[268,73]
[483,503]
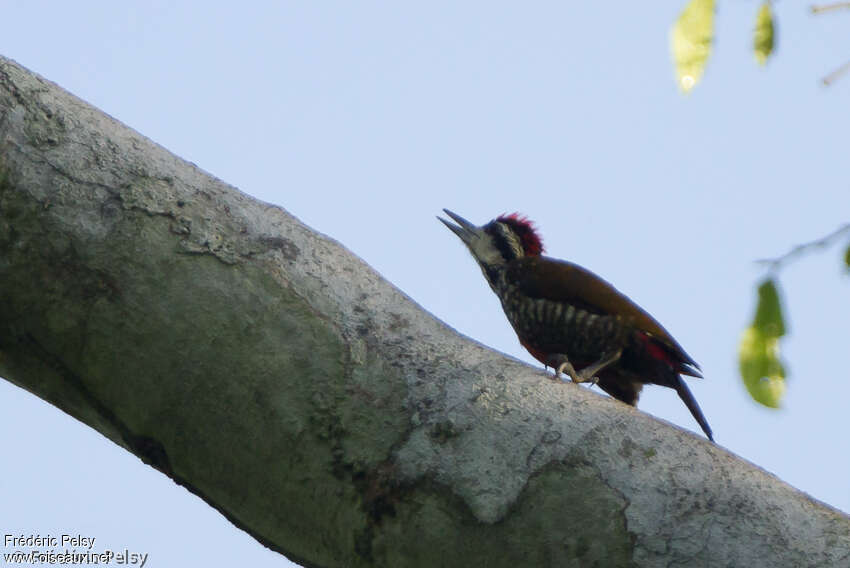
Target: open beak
[464,229]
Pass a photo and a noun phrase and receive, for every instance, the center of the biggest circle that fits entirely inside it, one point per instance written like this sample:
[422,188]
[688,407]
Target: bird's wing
[562,281]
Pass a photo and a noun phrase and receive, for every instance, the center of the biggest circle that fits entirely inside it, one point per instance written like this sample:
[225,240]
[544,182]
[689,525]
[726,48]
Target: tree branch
[835,75]
[280,379]
[823,8]
[775,264]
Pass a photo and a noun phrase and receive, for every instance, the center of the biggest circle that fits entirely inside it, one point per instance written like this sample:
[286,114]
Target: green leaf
[764,34]
[758,353]
[760,367]
[768,319]
[690,42]
[847,259]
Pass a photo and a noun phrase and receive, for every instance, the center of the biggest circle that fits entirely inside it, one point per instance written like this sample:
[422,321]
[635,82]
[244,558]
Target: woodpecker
[572,320]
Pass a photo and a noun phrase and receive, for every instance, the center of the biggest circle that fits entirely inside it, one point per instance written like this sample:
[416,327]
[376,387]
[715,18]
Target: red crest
[531,241]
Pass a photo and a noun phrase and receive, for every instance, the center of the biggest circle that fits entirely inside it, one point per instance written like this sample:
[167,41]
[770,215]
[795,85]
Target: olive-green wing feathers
[561,281]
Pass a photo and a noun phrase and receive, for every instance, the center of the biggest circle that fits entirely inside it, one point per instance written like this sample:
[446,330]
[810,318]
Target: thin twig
[829,79]
[829,7]
[774,264]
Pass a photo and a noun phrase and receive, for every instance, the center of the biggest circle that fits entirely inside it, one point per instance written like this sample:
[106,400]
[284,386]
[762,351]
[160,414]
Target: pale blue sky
[365,119]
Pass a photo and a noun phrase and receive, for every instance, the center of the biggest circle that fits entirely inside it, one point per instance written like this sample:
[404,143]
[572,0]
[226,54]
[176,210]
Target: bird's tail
[691,403]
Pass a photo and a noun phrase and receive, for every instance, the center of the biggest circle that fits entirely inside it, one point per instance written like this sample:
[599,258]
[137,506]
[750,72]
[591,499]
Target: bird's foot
[586,377]
[562,364]
[588,374]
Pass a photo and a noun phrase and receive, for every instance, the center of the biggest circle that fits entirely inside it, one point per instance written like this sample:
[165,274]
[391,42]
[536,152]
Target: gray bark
[280,379]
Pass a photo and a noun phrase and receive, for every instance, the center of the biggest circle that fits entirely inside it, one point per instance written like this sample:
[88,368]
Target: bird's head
[500,241]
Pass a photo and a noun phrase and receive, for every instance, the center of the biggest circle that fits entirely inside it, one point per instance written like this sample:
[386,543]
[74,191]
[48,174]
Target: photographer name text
[45,541]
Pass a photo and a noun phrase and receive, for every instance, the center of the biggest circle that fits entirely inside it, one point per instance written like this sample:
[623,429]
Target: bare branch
[835,75]
[775,264]
[824,8]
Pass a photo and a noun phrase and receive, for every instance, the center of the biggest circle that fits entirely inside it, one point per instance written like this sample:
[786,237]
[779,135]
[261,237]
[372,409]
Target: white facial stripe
[489,249]
[511,239]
